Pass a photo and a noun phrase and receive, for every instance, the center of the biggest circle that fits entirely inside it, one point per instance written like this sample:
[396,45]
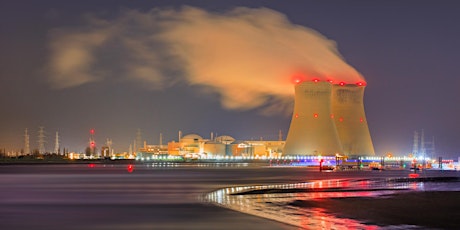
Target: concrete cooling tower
[328,119]
[312,130]
[350,119]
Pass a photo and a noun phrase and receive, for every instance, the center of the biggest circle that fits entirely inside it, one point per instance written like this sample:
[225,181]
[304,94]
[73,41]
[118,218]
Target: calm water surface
[150,196]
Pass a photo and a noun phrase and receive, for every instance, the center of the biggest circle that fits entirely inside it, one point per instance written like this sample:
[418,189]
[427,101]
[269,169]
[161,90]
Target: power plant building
[193,145]
[328,119]
[350,119]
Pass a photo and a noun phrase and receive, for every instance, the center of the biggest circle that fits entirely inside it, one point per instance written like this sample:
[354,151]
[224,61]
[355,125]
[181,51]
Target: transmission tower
[422,144]
[109,145]
[26,143]
[41,140]
[415,146]
[92,142]
[56,144]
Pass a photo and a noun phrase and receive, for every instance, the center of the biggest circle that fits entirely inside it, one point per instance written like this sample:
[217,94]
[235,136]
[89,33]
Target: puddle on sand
[272,201]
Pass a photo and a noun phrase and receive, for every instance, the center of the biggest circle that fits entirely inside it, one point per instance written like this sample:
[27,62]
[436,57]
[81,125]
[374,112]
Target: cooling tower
[312,130]
[350,119]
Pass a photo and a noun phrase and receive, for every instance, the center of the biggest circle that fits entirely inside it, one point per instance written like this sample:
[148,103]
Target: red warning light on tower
[342,83]
[91,131]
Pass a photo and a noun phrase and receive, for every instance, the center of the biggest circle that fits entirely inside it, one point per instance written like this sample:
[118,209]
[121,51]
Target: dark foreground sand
[430,209]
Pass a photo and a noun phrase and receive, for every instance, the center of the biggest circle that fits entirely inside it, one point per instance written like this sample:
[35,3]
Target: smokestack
[161,139]
[350,119]
[312,130]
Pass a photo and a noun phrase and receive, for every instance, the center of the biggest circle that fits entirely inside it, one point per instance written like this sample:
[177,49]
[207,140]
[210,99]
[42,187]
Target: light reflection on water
[162,195]
[270,202]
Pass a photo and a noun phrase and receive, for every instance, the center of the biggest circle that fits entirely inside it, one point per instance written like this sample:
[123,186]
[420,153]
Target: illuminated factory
[195,146]
[328,119]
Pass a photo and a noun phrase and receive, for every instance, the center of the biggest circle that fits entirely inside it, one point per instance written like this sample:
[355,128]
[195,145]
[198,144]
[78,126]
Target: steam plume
[248,56]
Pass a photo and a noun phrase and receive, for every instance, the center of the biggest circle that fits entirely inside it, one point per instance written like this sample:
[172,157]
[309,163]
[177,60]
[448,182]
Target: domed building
[190,143]
[220,146]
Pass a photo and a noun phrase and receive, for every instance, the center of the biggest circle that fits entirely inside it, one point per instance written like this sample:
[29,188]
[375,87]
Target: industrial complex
[328,126]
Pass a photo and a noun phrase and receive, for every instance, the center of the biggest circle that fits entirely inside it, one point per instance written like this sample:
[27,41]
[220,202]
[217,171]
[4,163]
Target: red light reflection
[414,175]
[130,168]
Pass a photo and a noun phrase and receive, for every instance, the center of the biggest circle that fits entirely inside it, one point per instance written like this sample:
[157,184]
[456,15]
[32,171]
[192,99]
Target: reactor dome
[225,139]
[192,137]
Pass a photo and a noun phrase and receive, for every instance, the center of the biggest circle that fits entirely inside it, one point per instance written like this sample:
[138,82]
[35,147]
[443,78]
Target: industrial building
[328,119]
[195,146]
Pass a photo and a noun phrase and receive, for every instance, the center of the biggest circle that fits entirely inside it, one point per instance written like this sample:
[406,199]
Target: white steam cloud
[250,57]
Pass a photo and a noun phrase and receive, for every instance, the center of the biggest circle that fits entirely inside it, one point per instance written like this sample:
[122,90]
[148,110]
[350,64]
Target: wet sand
[431,209]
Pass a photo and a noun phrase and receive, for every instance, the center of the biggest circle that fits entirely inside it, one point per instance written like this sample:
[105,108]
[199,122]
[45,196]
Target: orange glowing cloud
[250,57]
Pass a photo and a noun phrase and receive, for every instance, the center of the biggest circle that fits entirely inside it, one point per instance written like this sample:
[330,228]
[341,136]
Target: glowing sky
[223,67]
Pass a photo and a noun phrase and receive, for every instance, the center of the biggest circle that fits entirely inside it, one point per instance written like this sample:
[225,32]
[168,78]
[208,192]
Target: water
[157,196]
[273,201]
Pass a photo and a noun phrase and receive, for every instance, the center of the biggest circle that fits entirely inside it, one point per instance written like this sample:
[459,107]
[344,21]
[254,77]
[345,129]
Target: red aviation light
[91,131]
[361,83]
[341,119]
[316,80]
[361,119]
[332,116]
[342,83]
[297,78]
[315,115]
[330,81]
[296,115]
[93,144]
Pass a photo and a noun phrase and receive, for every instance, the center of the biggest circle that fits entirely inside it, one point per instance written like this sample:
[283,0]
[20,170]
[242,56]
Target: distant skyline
[405,50]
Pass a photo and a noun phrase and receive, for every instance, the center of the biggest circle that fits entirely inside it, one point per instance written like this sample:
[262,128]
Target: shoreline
[432,209]
[425,202]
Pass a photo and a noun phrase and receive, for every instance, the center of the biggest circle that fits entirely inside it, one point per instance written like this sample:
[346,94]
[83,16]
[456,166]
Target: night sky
[407,51]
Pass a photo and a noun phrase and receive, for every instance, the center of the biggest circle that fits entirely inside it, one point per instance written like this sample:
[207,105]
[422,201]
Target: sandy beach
[430,209]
